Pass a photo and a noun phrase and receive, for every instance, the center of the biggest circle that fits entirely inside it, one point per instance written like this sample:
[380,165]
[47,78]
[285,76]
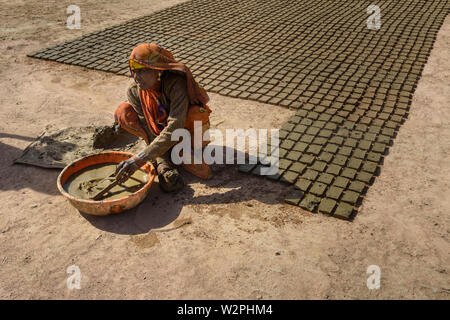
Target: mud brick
[310,174]
[388,132]
[295,119]
[383,116]
[283,134]
[350,197]
[284,163]
[379,147]
[334,169]
[343,211]
[294,136]
[324,117]
[327,205]
[370,136]
[325,156]
[365,177]
[350,125]
[313,131]
[357,135]
[319,166]
[341,181]
[294,197]
[313,115]
[302,113]
[282,153]
[306,122]
[337,119]
[342,132]
[331,148]
[357,186]
[349,107]
[337,140]
[346,151]
[349,173]
[309,202]
[83,63]
[343,113]
[391,124]
[318,188]
[289,177]
[298,167]
[383,139]
[287,144]
[378,122]
[401,113]
[303,184]
[300,146]
[361,127]
[339,160]
[325,178]
[320,141]
[325,133]
[354,163]
[246,167]
[334,192]
[374,157]
[364,144]
[288,126]
[366,120]
[307,138]
[359,153]
[306,158]
[314,149]
[293,155]
[374,129]
[370,166]
[300,128]
[350,142]
[330,126]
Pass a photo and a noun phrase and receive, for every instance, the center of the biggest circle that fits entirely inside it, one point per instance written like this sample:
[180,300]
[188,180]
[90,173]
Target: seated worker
[164,97]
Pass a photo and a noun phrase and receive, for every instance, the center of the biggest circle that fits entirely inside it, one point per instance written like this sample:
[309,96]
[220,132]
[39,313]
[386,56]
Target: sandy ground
[242,240]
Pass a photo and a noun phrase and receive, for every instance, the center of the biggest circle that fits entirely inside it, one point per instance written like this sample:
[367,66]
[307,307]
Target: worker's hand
[126,168]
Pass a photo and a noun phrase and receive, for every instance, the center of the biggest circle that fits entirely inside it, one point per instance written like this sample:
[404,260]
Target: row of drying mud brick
[351,86]
[331,161]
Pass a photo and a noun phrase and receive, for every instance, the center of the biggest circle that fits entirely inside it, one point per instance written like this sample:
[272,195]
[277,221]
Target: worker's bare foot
[170,180]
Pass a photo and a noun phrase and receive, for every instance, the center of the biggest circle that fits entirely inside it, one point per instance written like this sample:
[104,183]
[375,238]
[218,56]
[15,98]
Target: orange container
[104,207]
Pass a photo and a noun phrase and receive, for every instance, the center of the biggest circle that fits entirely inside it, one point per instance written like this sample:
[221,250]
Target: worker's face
[145,78]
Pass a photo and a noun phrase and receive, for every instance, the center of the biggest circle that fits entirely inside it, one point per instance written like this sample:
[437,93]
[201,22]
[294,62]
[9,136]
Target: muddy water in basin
[91,180]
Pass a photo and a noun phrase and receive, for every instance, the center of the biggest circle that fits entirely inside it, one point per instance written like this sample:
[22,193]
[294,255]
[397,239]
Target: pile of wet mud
[56,148]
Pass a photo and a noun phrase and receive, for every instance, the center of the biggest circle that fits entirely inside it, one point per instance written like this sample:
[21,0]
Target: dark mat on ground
[57,148]
[352,85]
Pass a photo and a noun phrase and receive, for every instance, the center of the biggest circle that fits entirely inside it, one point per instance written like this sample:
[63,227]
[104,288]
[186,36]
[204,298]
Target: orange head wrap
[150,55]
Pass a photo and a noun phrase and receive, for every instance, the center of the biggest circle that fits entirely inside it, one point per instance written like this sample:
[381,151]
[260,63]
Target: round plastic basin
[104,207]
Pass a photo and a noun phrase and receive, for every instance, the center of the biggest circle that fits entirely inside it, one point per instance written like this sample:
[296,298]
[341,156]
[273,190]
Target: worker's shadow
[19,176]
[161,210]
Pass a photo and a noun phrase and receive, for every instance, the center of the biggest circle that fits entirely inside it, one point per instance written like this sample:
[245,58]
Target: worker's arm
[176,92]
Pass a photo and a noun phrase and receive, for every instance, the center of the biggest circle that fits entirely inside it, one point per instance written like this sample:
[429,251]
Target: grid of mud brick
[352,86]
[333,147]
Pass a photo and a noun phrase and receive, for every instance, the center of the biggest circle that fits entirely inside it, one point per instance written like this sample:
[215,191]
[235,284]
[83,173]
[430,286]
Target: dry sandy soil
[242,240]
